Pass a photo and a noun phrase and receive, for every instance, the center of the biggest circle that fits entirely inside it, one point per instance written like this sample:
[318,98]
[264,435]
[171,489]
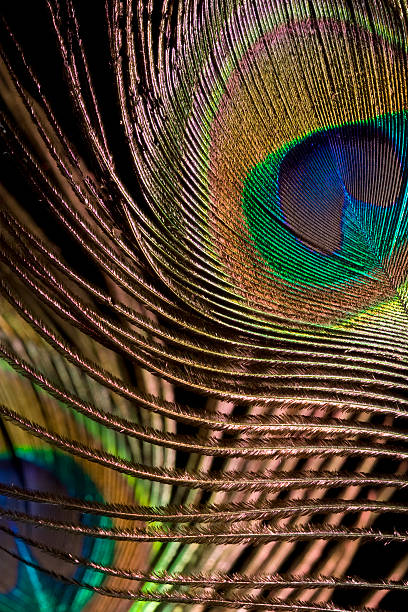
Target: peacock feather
[203,315]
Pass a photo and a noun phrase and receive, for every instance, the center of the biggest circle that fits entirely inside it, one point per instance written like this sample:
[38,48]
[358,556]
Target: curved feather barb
[203,323]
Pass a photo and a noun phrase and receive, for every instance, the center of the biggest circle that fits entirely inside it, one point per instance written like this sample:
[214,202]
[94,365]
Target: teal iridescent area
[328,209]
[24,587]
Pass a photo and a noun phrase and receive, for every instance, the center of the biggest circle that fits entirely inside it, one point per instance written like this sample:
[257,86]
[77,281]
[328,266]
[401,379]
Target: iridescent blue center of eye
[327,209]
